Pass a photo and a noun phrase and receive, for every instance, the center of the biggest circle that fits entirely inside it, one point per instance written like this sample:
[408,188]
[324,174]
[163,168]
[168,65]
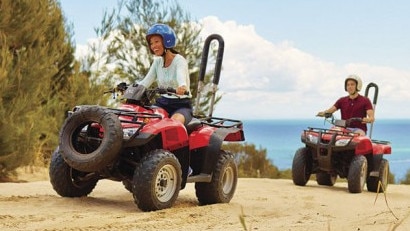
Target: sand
[263,204]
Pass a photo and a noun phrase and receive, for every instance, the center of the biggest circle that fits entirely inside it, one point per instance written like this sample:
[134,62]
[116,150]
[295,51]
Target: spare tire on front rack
[91,138]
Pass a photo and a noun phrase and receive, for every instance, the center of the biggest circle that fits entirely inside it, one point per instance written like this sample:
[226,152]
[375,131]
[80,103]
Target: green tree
[406,179]
[252,162]
[122,53]
[37,80]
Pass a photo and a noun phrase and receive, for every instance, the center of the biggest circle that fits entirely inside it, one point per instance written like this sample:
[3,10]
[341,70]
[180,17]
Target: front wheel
[373,181]
[357,174]
[301,166]
[69,182]
[157,181]
[223,184]
[128,185]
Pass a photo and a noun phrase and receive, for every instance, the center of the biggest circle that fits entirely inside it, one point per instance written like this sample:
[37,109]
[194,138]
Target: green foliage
[37,81]
[252,162]
[406,179]
[34,55]
[391,178]
[122,54]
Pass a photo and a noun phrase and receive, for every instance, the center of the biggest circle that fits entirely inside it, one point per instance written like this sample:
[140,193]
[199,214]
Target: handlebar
[326,115]
[339,122]
[169,90]
[122,87]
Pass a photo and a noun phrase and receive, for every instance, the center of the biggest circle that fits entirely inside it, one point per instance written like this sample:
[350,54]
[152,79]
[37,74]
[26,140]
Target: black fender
[214,147]
[139,140]
[374,162]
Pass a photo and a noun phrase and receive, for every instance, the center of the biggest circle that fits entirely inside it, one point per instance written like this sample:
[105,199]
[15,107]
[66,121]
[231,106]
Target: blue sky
[340,31]
[288,59]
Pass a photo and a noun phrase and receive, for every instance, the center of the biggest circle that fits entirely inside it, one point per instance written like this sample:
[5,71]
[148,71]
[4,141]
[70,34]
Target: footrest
[200,178]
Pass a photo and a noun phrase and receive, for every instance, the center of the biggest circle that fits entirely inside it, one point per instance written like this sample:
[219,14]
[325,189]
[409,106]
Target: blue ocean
[281,138]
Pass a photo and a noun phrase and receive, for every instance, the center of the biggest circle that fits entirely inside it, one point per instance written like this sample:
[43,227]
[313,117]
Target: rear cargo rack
[221,122]
[381,142]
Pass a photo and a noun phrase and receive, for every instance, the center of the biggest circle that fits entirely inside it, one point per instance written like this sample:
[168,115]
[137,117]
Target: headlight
[128,132]
[311,138]
[342,142]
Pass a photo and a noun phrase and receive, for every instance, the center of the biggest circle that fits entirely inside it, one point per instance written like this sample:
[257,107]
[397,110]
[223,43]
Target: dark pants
[172,106]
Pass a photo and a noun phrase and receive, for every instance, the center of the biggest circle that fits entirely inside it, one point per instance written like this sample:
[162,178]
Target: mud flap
[214,147]
[374,165]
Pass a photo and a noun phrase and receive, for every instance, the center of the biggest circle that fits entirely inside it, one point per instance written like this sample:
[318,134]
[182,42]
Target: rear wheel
[327,179]
[223,184]
[301,166]
[357,174]
[157,181]
[373,181]
[68,182]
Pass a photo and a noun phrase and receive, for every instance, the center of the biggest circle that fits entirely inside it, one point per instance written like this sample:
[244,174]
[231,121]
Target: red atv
[339,152]
[151,154]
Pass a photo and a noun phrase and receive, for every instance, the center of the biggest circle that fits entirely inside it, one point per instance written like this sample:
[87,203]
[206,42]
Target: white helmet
[357,79]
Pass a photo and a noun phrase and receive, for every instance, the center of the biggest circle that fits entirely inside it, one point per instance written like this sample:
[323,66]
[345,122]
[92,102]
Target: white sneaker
[190,171]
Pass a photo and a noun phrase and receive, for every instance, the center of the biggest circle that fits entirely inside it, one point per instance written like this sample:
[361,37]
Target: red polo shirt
[356,107]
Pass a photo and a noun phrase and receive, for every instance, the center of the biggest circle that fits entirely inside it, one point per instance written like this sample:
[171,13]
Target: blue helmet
[169,38]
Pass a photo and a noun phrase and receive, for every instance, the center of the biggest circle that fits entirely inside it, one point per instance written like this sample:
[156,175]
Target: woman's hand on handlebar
[181,90]
[172,91]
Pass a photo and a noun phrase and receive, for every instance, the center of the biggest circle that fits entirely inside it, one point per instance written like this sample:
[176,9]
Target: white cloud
[263,80]
[81,51]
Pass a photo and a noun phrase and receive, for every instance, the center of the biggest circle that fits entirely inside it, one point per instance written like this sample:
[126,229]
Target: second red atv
[151,154]
[337,151]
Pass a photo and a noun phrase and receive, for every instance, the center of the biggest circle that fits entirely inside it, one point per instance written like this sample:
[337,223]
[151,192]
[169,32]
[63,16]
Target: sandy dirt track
[266,204]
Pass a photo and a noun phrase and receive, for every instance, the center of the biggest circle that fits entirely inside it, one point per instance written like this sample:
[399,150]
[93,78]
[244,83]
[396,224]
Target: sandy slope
[266,204]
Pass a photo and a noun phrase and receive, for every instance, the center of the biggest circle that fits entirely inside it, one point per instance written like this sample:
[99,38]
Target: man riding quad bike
[150,153]
[339,151]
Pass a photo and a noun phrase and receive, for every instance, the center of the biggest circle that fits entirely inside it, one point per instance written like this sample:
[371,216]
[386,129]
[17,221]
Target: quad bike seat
[193,124]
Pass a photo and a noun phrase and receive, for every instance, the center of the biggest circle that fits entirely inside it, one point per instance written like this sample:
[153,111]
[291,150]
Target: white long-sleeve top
[175,75]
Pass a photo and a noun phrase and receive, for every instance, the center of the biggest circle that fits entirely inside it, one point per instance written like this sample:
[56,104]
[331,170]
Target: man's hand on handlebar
[320,114]
[366,120]
[324,114]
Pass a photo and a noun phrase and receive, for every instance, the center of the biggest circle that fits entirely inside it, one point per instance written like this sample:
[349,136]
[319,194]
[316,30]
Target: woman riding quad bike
[139,145]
